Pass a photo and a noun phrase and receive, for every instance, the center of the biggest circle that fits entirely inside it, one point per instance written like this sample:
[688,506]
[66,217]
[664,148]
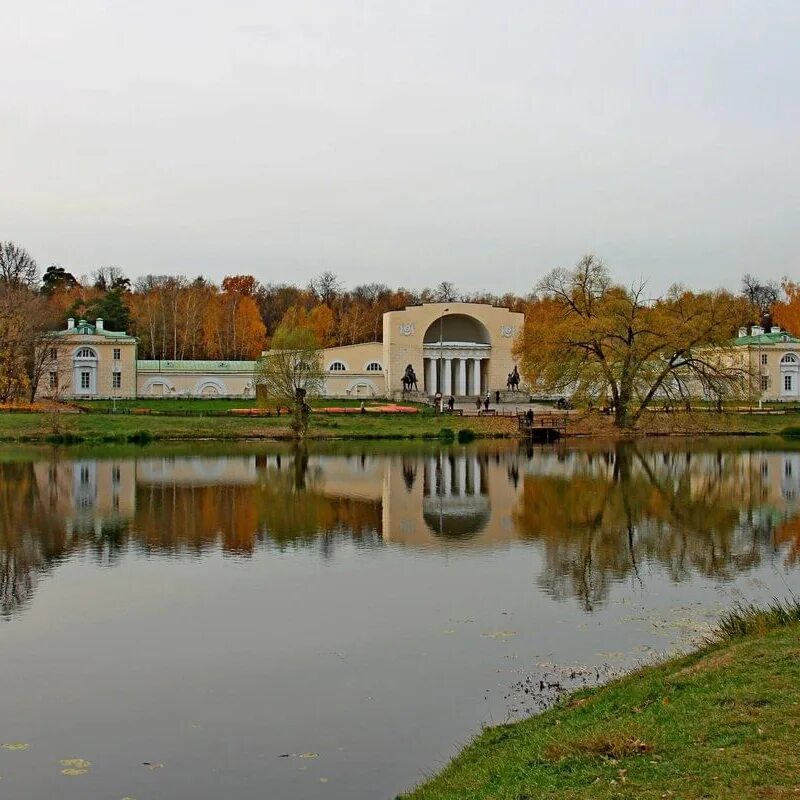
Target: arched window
[337,366]
[374,366]
[86,352]
[789,358]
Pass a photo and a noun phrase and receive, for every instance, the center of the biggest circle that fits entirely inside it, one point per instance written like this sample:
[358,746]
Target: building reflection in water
[596,514]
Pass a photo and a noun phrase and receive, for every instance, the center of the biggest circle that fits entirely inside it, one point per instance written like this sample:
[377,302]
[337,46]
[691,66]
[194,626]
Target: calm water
[262,622]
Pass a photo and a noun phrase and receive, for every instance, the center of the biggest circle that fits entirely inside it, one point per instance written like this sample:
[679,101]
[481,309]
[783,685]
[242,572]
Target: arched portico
[456,351]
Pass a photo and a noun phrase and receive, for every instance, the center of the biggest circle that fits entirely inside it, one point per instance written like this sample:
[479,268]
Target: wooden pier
[543,427]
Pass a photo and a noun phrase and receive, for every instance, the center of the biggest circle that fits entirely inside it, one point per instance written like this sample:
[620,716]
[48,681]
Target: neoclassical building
[464,349]
[774,359]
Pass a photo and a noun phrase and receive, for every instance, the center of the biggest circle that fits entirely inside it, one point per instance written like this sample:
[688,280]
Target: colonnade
[456,376]
[461,476]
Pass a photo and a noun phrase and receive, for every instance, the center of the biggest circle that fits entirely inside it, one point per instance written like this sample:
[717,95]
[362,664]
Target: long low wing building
[460,349]
[464,349]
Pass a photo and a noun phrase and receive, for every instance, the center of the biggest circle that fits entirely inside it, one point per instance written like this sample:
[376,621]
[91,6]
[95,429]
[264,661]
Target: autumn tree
[761,295]
[17,266]
[325,287]
[233,328]
[596,339]
[290,374]
[21,319]
[786,312]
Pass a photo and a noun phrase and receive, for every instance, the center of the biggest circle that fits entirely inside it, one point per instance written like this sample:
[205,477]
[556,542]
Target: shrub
[466,435]
[140,437]
[447,434]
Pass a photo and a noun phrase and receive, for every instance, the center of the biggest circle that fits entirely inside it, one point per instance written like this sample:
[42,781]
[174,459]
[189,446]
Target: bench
[487,412]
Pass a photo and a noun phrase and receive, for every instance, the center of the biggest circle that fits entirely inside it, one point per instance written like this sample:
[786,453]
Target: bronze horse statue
[409,380]
[512,384]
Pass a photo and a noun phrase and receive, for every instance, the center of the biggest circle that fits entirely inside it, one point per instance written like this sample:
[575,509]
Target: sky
[482,143]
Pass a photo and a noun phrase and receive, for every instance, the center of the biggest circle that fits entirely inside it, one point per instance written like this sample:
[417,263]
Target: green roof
[84,328]
[768,338]
[165,365]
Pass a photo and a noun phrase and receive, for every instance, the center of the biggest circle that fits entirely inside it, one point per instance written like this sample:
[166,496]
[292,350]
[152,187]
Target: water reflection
[598,514]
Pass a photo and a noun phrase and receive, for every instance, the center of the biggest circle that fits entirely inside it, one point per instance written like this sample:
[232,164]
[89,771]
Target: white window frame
[373,366]
[334,366]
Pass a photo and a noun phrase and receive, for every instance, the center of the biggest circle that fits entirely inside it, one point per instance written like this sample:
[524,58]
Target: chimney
[70,324]
[775,329]
[756,330]
[742,332]
[98,323]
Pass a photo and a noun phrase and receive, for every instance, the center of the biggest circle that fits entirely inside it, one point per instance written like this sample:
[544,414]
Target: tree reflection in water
[599,514]
[709,513]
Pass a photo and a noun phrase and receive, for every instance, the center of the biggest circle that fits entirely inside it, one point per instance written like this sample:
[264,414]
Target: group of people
[439,402]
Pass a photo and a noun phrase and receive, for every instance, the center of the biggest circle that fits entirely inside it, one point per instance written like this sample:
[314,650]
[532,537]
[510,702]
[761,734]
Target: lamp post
[441,354]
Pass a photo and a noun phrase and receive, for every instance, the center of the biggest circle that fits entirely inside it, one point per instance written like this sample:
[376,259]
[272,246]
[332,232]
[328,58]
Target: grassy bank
[687,423]
[210,419]
[71,428]
[721,723]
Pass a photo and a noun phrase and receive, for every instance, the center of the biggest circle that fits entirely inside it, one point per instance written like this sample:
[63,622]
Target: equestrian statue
[409,380]
[512,384]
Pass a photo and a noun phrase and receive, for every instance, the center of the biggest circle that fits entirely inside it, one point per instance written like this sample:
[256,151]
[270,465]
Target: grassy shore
[70,428]
[720,723]
[192,419]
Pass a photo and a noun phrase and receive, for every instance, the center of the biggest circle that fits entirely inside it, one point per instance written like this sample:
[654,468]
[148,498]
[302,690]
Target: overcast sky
[407,142]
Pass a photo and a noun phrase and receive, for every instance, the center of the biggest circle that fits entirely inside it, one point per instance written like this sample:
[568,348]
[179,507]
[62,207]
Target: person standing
[451,402]
[486,402]
[478,404]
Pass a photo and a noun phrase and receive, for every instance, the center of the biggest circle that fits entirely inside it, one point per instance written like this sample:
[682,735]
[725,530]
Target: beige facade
[88,361]
[195,378]
[464,349]
[354,371]
[774,360]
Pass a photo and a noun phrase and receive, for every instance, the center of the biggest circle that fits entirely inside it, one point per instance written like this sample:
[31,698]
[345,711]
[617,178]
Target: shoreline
[719,722]
[74,428]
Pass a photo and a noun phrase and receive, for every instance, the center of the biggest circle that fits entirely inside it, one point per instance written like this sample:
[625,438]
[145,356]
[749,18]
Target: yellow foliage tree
[598,340]
[787,313]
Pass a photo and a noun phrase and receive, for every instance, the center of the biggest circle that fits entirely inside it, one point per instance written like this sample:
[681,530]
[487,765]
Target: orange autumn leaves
[786,313]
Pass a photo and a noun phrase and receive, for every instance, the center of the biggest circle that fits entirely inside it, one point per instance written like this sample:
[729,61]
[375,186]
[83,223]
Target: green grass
[721,723]
[182,405]
[74,428]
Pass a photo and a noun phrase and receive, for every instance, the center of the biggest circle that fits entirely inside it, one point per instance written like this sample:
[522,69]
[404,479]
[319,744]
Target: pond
[196,622]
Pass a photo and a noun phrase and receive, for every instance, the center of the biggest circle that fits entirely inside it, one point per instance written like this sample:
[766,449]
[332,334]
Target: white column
[430,376]
[476,377]
[447,378]
[461,364]
[476,472]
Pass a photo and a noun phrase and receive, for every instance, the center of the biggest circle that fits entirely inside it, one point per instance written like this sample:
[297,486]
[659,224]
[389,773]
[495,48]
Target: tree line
[177,318]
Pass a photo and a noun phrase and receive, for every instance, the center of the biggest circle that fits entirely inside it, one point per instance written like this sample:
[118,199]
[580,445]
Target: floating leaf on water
[73,771]
[323,780]
[15,746]
[151,765]
[307,755]
[499,634]
[76,763]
